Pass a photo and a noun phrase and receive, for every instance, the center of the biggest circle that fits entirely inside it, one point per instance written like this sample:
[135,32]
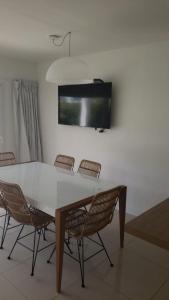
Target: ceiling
[96,26]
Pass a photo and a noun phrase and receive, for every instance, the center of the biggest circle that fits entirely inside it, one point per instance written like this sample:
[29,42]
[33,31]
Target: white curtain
[27,131]
[7,139]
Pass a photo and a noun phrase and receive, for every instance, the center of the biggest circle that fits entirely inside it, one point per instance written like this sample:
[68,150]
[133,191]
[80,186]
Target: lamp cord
[69,41]
[63,39]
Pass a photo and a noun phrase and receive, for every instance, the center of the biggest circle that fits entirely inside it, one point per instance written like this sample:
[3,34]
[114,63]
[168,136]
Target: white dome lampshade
[69,70]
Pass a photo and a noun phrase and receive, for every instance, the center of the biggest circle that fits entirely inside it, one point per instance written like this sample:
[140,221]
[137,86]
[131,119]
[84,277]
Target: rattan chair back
[101,211]
[90,168]
[7,158]
[64,161]
[15,202]
[100,214]
[18,208]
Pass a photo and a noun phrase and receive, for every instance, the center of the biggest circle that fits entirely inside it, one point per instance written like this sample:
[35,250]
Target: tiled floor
[141,272]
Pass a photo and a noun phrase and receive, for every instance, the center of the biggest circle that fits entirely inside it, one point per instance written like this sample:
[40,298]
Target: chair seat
[75,222]
[40,218]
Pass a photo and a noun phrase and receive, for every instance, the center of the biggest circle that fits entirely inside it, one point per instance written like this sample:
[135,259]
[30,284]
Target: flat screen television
[87,105]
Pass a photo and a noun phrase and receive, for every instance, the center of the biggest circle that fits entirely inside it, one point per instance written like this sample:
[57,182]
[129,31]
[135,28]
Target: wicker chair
[64,161]
[90,168]
[7,158]
[16,204]
[82,224]
[5,222]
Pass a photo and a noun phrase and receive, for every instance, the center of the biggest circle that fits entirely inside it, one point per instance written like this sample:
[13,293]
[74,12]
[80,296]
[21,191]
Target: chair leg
[9,256]
[5,227]
[35,249]
[9,220]
[83,285]
[111,264]
[68,238]
[44,233]
[67,245]
[53,251]
[80,246]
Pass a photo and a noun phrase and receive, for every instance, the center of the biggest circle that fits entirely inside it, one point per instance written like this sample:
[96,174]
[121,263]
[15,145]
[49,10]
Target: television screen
[87,105]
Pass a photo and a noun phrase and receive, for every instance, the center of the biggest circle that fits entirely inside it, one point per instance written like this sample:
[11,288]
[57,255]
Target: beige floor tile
[71,269]
[95,289]
[163,293]
[42,285]
[5,264]
[140,273]
[8,291]
[155,254]
[39,287]
[20,253]
[133,275]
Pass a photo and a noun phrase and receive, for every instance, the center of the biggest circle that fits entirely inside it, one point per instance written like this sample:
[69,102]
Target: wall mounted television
[86,105]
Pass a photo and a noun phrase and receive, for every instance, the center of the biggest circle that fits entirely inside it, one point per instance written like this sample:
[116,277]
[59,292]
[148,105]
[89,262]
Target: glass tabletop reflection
[49,188]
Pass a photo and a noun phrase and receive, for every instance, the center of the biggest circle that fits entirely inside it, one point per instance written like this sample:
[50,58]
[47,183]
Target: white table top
[49,187]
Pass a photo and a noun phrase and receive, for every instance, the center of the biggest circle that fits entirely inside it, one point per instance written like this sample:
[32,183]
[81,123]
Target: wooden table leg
[60,233]
[122,214]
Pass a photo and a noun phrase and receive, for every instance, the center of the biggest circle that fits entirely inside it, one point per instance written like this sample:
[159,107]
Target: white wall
[11,69]
[135,151]
[17,69]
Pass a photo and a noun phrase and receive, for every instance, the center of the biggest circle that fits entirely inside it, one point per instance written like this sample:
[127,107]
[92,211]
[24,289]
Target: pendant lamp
[67,69]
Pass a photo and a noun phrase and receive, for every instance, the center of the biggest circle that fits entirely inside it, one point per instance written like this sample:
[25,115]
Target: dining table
[57,191]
